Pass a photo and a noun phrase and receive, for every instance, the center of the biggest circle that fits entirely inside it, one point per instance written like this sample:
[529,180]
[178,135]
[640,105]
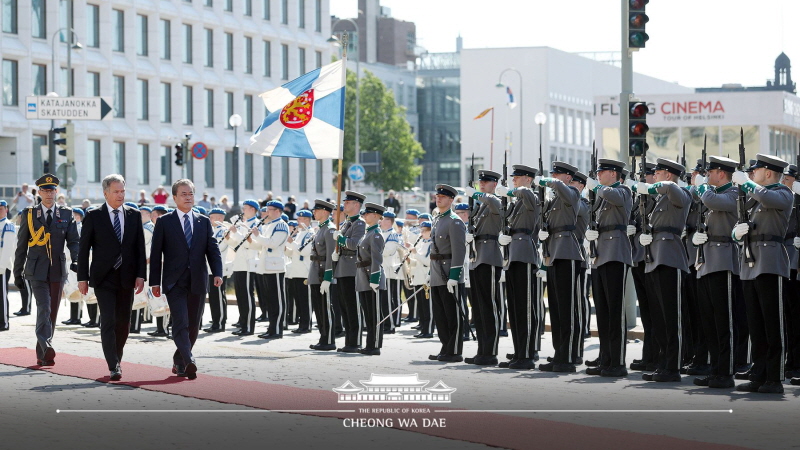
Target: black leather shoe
[349,349]
[261,318]
[371,351]
[752,386]
[614,372]
[578,361]
[22,313]
[505,364]
[116,374]
[522,364]
[698,369]
[667,376]
[179,370]
[564,367]
[547,367]
[47,362]
[434,357]
[771,387]
[593,363]
[794,373]
[71,322]
[742,375]
[242,333]
[702,381]
[325,347]
[90,324]
[237,325]
[423,336]
[638,365]
[549,359]
[49,354]
[484,361]
[157,333]
[270,336]
[451,358]
[649,376]
[795,381]
[684,370]
[594,370]
[510,356]
[301,331]
[214,330]
[191,370]
[503,333]
[721,382]
[391,331]
[4,329]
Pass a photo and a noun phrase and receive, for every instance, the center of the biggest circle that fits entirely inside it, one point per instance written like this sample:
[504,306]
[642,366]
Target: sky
[696,43]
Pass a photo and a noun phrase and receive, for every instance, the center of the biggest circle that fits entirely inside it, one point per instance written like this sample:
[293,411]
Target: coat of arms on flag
[305,116]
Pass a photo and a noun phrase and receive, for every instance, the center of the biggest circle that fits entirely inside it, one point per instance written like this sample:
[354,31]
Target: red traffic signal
[637,128]
[638,110]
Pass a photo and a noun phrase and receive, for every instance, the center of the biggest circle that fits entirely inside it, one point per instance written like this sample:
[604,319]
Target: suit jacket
[668,220]
[561,217]
[352,231]
[448,237]
[98,234]
[34,260]
[524,222]
[721,252]
[769,218]
[169,242]
[488,222]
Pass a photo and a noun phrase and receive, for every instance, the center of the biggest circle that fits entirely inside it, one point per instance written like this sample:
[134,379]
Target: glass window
[141,41]
[561,126]
[10,11]
[301,56]
[248,54]
[248,7]
[209,108]
[284,62]
[119,96]
[284,12]
[229,5]
[118,158]
[66,13]
[578,130]
[39,79]
[118,25]
[209,3]
[319,176]
[210,169]
[166,39]
[10,83]
[188,105]
[187,43]
[285,174]
[301,14]
[92,25]
[209,47]
[66,80]
[570,134]
[93,84]
[317,60]
[166,165]
[39,19]
[551,125]
[166,102]
[268,173]
[40,152]
[267,57]
[93,161]
[228,51]
[143,107]
[143,174]
[228,109]
[228,170]
[265,10]
[248,113]
[318,15]
[587,131]
[302,172]
[248,171]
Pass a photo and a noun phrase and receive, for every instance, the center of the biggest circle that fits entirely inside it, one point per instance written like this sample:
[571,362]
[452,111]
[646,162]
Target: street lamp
[73,43]
[540,119]
[235,121]
[335,41]
[521,103]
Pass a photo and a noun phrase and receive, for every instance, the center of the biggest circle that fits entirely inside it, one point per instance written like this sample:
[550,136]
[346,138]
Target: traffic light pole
[626,94]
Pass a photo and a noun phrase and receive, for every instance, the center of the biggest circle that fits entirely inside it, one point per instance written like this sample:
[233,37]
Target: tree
[384,129]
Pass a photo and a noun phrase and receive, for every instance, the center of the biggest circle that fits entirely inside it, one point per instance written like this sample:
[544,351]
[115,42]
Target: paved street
[756,421]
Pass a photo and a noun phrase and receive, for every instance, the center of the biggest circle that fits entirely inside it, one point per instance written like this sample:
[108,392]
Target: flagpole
[491,144]
[341,137]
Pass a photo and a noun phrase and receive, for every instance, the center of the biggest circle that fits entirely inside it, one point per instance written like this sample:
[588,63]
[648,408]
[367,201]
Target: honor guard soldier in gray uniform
[581,225]
[320,275]
[668,262]
[649,348]
[791,289]
[370,277]
[464,287]
[448,252]
[764,264]
[344,256]
[614,202]
[696,357]
[563,260]
[486,268]
[524,308]
[718,285]
[45,231]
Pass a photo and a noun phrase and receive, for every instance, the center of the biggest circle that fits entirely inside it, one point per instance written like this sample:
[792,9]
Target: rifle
[545,251]
[249,233]
[701,214]
[471,201]
[743,215]
[683,163]
[506,227]
[648,255]
[592,199]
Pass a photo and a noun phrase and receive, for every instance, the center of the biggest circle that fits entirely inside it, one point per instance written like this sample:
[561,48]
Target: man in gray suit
[486,268]
[320,275]
[762,278]
[669,262]
[609,267]
[370,277]
[564,258]
[44,233]
[345,272]
[524,308]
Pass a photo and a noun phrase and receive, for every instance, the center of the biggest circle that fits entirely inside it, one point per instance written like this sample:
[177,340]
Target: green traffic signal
[637,39]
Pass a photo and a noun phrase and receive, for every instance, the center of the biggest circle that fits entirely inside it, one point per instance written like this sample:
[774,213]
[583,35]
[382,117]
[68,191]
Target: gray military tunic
[448,248]
[321,250]
[769,218]
[614,211]
[667,222]
[524,221]
[352,231]
[561,218]
[46,262]
[637,249]
[370,260]
[721,252]
[488,226]
[791,232]
[691,226]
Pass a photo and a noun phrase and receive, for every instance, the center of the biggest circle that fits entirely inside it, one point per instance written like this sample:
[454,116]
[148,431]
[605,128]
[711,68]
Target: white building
[170,67]
[562,85]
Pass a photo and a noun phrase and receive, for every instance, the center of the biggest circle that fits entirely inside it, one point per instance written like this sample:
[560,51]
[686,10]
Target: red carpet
[487,428]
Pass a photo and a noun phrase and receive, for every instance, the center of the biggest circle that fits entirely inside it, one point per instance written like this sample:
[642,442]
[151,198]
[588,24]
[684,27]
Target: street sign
[67,108]
[199,150]
[356,172]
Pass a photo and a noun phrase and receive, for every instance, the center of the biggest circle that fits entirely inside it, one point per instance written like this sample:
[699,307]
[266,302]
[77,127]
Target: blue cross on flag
[305,116]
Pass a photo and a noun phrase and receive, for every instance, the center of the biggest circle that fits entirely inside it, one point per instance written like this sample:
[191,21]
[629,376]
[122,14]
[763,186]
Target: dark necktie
[118,231]
[49,218]
[187,230]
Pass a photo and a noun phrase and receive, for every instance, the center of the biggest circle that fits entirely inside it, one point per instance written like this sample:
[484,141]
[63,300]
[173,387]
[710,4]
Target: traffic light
[65,143]
[179,154]
[637,128]
[637,20]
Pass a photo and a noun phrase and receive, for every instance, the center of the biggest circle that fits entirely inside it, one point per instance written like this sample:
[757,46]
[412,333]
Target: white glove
[592,235]
[504,239]
[739,178]
[683,233]
[536,180]
[645,239]
[796,187]
[631,230]
[642,188]
[470,237]
[682,183]
[452,286]
[541,274]
[543,235]
[469,191]
[336,234]
[630,182]
[740,230]
[699,180]
[501,191]
[325,287]
[699,238]
[374,287]
[797,242]
[591,183]
[335,256]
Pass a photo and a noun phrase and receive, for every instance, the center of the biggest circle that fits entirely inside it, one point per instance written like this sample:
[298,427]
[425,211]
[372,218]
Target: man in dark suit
[119,265]
[186,241]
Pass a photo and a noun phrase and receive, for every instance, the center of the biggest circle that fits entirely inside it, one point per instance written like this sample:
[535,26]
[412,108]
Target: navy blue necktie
[187,230]
[118,231]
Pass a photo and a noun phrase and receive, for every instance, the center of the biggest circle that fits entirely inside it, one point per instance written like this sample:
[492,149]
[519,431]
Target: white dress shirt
[191,218]
[121,217]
